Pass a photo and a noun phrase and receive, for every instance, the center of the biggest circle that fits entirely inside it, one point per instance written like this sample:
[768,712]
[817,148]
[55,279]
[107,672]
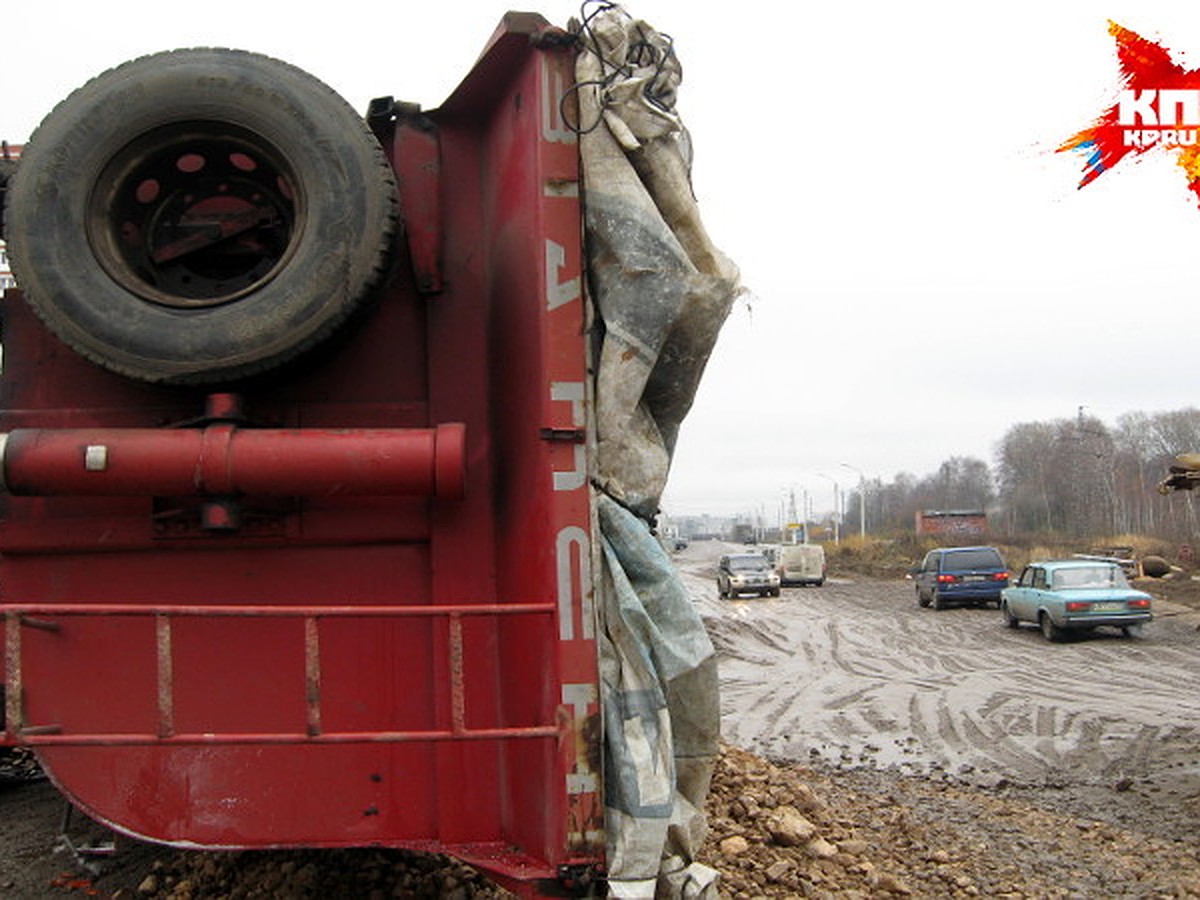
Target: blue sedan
[1074,595]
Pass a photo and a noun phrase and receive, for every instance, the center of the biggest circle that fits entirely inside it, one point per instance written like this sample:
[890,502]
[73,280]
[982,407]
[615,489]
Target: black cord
[642,53]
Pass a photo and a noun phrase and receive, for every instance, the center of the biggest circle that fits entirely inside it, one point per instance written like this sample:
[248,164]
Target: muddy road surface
[855,673]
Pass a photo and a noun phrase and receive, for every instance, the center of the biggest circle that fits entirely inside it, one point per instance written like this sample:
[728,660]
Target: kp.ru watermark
[1164,118]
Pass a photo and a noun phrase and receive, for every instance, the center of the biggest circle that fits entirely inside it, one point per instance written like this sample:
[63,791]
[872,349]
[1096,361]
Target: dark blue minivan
[961,575]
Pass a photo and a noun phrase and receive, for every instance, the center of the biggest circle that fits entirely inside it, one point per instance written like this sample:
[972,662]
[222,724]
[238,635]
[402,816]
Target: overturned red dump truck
[296,531]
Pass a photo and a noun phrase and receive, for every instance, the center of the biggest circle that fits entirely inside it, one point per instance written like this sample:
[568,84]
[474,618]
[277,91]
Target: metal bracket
[580,879]
[83,853]
[563,435]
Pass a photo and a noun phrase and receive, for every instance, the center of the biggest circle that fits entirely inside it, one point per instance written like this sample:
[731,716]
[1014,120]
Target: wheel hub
[193,216]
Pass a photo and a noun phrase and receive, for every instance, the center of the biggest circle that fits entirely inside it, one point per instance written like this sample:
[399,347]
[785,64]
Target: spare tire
[199,216]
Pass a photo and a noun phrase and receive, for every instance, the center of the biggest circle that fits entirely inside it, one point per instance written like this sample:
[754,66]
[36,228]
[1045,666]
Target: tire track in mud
[858,674]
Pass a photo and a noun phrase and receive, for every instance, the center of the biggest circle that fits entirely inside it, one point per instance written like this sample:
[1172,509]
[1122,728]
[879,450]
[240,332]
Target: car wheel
[1050,631]
[774,592]
[1009,619]
[200,216]
[922,600]
[938,602]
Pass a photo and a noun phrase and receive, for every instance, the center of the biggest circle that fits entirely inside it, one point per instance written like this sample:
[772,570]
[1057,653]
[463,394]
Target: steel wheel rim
[195,215]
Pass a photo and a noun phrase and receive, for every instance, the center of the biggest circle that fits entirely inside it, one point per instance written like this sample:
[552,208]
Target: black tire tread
[381,253]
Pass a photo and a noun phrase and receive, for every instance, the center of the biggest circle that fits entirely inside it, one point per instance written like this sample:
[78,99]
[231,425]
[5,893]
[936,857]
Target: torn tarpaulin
[662,289]
[662,292]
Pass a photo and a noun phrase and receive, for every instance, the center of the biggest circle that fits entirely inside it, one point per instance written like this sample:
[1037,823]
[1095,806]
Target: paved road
[857,673]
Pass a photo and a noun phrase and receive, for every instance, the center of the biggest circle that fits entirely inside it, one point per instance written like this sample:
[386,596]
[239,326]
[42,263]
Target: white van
[801,564]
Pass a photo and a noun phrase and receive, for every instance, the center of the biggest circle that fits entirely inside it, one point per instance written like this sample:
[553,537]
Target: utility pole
[837,509]
[862,501]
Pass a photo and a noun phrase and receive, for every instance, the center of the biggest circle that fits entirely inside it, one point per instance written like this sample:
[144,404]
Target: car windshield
[982,558]
[747,563]
[1089,577]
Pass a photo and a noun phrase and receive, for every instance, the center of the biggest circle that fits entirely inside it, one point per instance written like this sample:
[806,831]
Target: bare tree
[1025,455]
[1072,476]
[1085,465]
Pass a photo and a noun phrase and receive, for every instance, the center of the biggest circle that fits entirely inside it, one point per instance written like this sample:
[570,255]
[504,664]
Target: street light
[862,500]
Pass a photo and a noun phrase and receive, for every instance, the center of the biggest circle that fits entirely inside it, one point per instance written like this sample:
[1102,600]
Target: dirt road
[855,673]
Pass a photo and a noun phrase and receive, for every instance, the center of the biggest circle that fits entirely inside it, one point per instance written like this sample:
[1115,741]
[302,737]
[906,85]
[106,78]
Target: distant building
[952,523]
[7,151]
[744,533]
[6,278]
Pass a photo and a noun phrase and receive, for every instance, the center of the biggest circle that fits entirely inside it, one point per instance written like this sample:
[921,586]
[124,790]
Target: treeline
[1073,476]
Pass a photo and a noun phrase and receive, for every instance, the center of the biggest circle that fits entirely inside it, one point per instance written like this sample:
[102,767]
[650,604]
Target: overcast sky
[923,272]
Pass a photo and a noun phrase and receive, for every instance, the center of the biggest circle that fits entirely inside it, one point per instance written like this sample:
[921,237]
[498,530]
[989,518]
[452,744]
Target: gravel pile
[17,764]
[369,874]
[785,830]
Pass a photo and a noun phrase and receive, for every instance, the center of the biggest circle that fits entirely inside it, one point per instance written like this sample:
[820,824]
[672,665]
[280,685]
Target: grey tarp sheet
[662,292]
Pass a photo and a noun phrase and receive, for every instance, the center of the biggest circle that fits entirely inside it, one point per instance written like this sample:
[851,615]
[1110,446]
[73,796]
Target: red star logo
[1159,108]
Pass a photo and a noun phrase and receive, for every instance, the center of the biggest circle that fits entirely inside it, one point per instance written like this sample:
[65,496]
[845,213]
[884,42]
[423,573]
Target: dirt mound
[786,830]
[770,833]
[314,873]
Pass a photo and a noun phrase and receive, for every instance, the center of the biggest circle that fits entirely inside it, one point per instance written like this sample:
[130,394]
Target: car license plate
[1107,607]
[974,578]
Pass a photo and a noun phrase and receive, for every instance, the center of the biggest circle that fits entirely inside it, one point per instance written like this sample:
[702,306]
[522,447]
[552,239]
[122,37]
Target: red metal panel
[424,666]
[535,244]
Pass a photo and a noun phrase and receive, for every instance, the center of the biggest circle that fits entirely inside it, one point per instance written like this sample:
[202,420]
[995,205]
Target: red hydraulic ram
[222,460]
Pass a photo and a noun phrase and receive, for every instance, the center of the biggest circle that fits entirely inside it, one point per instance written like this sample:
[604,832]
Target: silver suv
[746,573]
